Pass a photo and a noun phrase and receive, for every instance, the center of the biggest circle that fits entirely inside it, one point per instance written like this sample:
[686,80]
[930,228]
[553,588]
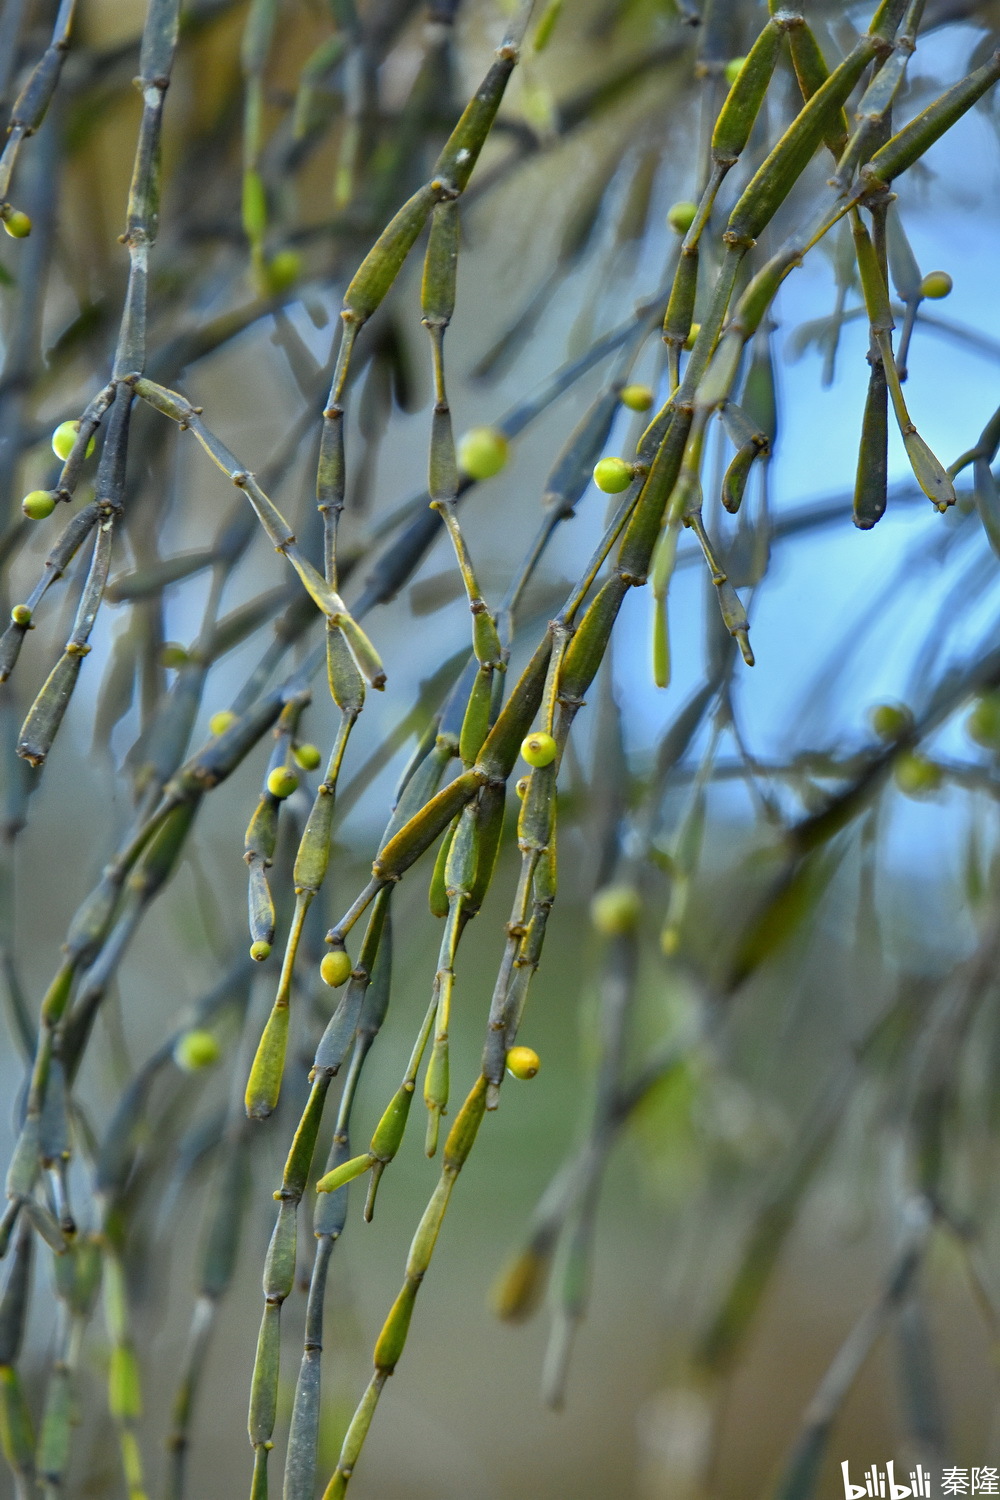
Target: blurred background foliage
[791,992]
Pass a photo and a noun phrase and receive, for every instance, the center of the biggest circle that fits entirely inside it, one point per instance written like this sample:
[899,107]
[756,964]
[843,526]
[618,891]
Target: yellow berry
[695,330]
[221,721]
[637,397]
[281,783]
[916,775]
[936,284]
[174,656]
[38,505]
[17,224]
[21,615]
[260,950]
[733,69]
[307,756]
[196,1050]
[539,749]
[983,723]
[523,1062]
[680,216]
[336,967]
[615,910]
[890,720]
[612,475]
[63,439]
[282,271]
[521,786]
[482,452]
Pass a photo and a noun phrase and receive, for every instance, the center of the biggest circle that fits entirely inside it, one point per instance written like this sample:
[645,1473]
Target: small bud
[637,397]
[38,505]
[733,69]
[482,452]
[282,271]
[63,439]
[221,721]
[539,749]
[936,284]
[615,910]
[21,615]
[983,723]
[891,720]
[612,475]
[174,656]
[260,950]
[523,1062]
[196,1050]
[916,775]
[281,783]
[521,786]
[680,216]
[17,224]
[689,341]
[307,756]
[335,969]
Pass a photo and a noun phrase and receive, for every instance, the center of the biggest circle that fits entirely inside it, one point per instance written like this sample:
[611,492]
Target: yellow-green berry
[260,950]
[63,439]
[282,782]
[307,756]
[523,1062]
[221,721]
[891,720]
[615,910]
[195,1050]
[482,452]
[612,475]
[174,656]
[38,505]
[335,969]
[689,341]
[521,786]
[733,69]
[680,216]
[637,397]
[539,749]
[21,615]
[17,224]
[983,723]
[916,775]
[282,271]
[936,284]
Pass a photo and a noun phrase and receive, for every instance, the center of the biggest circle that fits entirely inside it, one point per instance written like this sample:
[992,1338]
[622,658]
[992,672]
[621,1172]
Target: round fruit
[281,783]
[307,756]
[916,775]
[637,397]
[936,284]
[17,224]
[521,786]
[21,615]
[733,69]
[983,723]
[260,950]
[63,439]
[539,749]
[223,720]
[890,720]
[336,967]
[523,1062]
[680,216]
[174,656]
[615,910]
[612,475]
[196,1050]
[38,505]
[283,270]
[482,452]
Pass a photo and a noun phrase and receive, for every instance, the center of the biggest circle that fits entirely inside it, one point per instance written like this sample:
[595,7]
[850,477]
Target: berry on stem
[523,1062]
[936,284]
[482,452]
[282,782]
[733,69]
[890,720]
[680,216]
[615,910]
[260,950]
[38,505]
[21,615]
[221,721]
[539,749]
[612,475]
[63,439]
[196,1050]
[17,224]
[307,756]
[336,968]
[637,397]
